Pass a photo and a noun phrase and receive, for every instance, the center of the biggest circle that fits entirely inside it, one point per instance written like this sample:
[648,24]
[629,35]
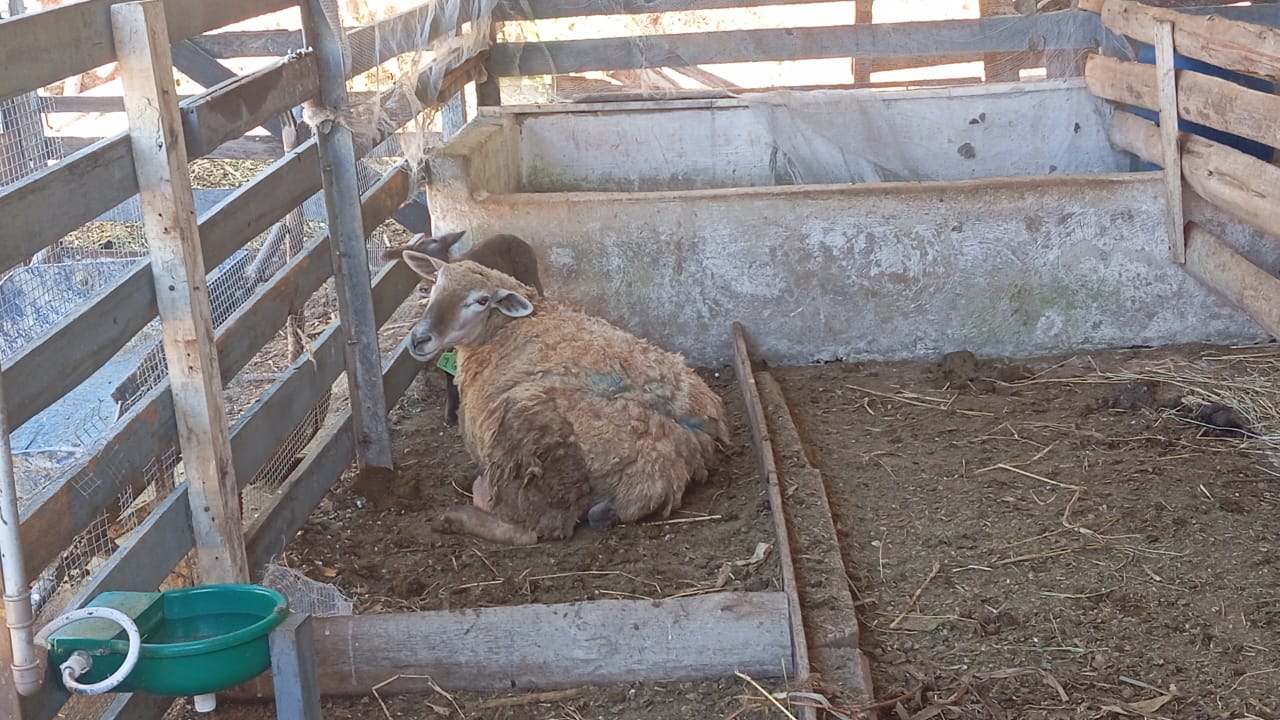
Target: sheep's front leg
[471,520]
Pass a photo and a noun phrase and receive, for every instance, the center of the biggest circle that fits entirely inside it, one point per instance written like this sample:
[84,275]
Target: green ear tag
[448,362]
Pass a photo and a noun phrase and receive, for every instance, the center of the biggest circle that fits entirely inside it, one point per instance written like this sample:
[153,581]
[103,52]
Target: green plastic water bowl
[195,641]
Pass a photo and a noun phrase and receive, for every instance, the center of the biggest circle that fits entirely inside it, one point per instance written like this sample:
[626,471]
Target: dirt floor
[1078,544]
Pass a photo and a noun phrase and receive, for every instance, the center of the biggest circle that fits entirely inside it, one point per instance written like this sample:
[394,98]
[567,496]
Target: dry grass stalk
[438,709]
[915,596]
[537,698]
[766,694]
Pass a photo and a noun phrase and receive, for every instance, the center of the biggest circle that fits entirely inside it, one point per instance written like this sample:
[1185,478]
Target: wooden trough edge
[548,646]
[841,670]
[769,473]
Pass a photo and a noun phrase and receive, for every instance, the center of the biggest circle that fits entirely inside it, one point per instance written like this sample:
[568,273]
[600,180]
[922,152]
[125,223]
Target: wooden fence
[1242,185]
[45,47]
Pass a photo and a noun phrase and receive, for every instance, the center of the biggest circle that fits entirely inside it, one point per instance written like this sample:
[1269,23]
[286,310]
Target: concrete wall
[818,137]
[1009,266]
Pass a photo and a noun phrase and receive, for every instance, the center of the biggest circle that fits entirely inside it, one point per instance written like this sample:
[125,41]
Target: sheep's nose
[419,338]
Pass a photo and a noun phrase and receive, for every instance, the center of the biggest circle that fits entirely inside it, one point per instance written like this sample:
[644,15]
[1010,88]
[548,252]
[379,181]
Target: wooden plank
[1201,99]
[293,669]
[252,103]
[350,259]
[769,473]
[551,646]
[1170,156]
[246,147]
[831,617]
[1247,286]
[177,265]
[547,9]
[44,47]
[329,455]
[1239,46]
[131,706]
[37,211]
[77,346]
[1071,29]
[250,43]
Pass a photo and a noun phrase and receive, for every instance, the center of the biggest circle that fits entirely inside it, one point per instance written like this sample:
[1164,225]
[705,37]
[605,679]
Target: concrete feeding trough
[845,224]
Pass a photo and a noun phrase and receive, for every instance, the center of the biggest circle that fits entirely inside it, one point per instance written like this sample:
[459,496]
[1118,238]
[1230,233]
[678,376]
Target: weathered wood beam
[1170,156]
[1244,186]
[44,47]
[769,473]
[1201,99]
[1244,47]
[551,646]
[198,65]
[249,43]
[182,292]
[1221,268]
[246,147]
[548,9]
[350,257]
[1019,33]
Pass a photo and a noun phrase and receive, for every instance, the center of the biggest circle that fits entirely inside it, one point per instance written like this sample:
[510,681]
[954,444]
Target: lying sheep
[567,415]
[504,253]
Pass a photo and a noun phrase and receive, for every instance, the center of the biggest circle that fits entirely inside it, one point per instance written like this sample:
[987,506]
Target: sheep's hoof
[451,420]
[602,516]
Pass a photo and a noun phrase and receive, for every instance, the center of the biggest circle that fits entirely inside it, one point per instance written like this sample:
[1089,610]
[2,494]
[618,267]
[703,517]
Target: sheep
[566,415]
[504,253]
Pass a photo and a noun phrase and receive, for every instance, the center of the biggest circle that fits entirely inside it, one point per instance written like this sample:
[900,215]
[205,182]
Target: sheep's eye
[482,300]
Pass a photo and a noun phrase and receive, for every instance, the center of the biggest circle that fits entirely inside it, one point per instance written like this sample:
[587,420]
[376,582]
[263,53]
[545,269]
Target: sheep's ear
[447,241]
[512,304]
[423,264]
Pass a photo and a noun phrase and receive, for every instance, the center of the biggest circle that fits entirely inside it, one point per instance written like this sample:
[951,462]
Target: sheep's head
[467,303]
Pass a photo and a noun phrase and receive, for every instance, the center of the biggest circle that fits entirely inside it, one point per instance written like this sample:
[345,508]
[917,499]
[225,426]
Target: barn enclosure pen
[994,332]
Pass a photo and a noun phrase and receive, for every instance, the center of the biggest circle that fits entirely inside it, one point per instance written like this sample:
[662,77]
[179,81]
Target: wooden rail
[44,47]
[948,37]
[1202,99]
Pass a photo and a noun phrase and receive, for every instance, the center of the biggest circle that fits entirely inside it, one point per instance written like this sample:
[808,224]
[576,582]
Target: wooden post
[999,67]
[1166,82]
[182,295]
[351,276]
[861,69]
[294,674]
